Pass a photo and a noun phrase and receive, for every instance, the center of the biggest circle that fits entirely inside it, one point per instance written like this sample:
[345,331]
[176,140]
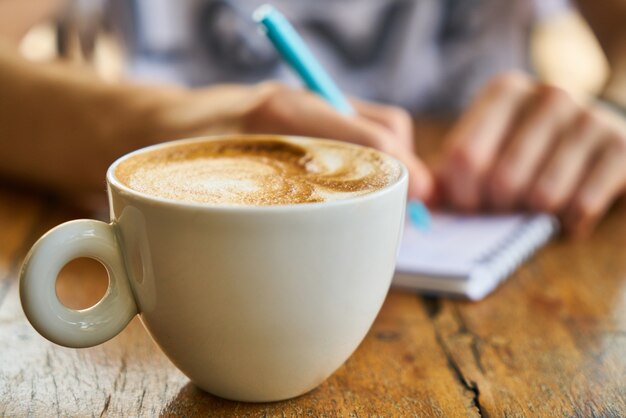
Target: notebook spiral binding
[531,234]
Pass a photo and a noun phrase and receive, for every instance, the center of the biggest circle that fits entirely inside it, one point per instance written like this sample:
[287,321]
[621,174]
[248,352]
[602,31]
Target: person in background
[517,143]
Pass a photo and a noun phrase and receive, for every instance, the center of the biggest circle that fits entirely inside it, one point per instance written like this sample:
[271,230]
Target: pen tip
[419,215]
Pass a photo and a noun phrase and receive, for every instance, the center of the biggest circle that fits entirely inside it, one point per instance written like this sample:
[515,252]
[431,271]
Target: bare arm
[18,16]
[607,19]
[61,126]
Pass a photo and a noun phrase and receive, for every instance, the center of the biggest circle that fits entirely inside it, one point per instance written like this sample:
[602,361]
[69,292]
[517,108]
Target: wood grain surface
[551,341]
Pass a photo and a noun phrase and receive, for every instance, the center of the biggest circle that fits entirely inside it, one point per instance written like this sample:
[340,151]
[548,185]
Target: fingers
[566,165]
[400,124]
[526,145]
[550,112]
[583,174]
[284,110]
[605,181]
[476,139]
[397,120]
[421,183]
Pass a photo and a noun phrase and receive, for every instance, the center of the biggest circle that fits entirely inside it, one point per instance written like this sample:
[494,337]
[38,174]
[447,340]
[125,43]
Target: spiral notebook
[468,255]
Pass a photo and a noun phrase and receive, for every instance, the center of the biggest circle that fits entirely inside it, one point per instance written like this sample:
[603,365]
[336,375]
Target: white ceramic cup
[252,303]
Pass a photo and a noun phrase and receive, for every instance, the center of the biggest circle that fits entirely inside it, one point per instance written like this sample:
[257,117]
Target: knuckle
[588,120]
[272,91]
[268,105]
[556,97]
[544,199]
[399,118]
[505,182]
[272,94]
[509,81]
[586,208]
[466,161]
[376,138]
[617,143]
[587,130]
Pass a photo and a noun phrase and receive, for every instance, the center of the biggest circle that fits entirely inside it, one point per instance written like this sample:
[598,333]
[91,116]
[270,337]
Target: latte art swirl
[258,171]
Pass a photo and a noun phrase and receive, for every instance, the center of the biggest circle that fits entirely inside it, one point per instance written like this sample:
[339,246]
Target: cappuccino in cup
[259,171]
[256,263]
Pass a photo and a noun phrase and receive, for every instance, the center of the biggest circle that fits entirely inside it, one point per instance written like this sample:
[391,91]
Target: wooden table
[551,341]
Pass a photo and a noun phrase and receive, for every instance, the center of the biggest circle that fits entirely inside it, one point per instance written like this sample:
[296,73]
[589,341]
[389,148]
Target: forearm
[608,22]
[18,16]
[61,125]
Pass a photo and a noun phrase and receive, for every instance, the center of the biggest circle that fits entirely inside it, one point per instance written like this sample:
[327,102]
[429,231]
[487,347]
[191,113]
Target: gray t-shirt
[424,55]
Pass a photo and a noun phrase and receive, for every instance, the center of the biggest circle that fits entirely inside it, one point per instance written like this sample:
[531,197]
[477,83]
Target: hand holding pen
[386,128]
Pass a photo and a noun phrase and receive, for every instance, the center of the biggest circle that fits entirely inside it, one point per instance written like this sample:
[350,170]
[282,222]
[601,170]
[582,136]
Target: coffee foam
[258,171]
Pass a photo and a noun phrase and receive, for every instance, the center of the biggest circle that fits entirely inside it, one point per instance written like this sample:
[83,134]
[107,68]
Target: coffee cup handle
[53,320]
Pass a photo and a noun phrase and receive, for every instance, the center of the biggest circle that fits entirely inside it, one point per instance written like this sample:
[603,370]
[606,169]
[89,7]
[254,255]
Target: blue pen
[292,48]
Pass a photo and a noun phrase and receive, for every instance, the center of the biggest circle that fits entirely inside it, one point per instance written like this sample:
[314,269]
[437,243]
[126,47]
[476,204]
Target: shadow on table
[192,401]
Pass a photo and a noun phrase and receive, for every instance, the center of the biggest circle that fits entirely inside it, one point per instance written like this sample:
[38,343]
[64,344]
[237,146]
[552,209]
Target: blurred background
[563,49]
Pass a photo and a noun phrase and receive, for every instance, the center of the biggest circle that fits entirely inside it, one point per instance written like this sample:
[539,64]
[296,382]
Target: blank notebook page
[461,246]
[454,243]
